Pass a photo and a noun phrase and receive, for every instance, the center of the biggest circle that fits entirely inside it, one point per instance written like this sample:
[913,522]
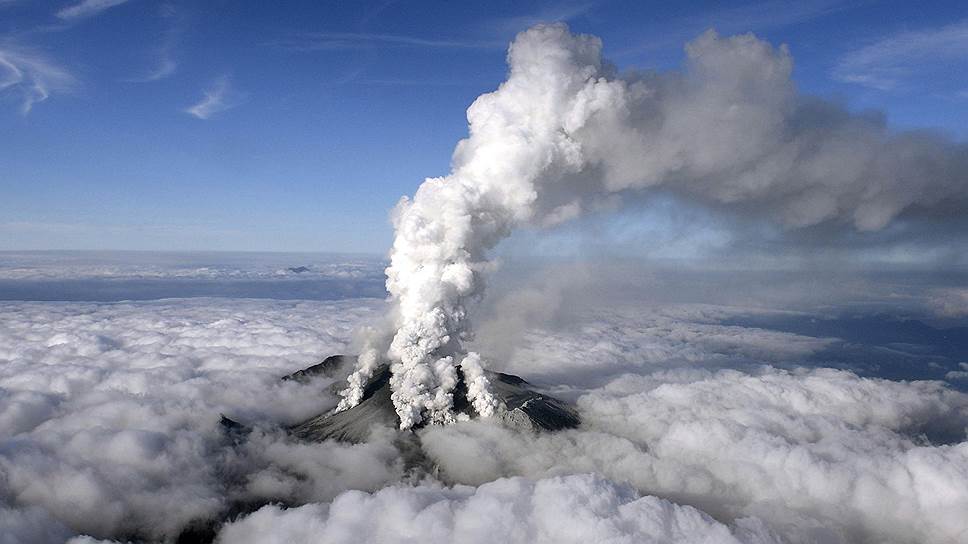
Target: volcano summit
[520,406]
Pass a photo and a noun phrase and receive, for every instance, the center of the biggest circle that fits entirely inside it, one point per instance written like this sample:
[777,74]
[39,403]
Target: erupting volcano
[520,406]
[567,134]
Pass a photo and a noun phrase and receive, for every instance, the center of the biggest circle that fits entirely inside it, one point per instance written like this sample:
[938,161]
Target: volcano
[524,407]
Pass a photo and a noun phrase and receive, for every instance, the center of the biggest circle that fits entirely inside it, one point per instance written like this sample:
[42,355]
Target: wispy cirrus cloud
[326,41]
[220,96]
[86,8]
[561,12]
[29,76]
[369,43]
[731,19]
[165,62]
[166,65]
[890,62]
[490,34]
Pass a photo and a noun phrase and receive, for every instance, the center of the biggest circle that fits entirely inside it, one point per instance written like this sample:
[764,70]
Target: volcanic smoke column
[443,233]
[566,134]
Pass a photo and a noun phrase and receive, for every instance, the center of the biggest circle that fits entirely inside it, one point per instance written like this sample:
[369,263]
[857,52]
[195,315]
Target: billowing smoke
[567,133]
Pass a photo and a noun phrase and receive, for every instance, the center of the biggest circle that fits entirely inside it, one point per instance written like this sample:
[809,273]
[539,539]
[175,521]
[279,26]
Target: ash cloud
[566,134]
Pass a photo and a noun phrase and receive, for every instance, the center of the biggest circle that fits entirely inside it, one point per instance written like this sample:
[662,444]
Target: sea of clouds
[138,275]
[697,427]
[131,265]
[110,412]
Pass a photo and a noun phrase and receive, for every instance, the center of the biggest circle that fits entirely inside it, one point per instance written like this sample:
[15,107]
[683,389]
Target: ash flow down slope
[522,407]
[567,134]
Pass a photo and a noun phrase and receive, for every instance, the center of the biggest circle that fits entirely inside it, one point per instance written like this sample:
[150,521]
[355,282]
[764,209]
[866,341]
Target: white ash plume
[566,133]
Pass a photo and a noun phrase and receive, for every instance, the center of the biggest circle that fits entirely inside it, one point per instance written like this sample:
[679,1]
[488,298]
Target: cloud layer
[581,508]
[225,266]
[110,428]
[109,413]
[819,456]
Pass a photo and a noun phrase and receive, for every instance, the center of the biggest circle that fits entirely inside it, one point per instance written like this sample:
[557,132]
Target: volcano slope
[524,408]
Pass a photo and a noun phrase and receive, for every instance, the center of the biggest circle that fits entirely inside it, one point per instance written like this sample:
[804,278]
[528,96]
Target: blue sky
[296,126]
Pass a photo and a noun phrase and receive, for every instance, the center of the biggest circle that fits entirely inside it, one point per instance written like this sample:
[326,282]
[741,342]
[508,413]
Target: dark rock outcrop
[334,366]
[233,430]
[529,409]
[354,425]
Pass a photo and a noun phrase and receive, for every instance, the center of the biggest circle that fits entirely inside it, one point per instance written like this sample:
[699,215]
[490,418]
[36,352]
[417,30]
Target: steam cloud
[566,134]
